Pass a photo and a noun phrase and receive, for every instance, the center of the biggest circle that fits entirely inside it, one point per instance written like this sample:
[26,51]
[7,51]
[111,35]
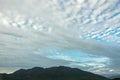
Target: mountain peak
[53,73]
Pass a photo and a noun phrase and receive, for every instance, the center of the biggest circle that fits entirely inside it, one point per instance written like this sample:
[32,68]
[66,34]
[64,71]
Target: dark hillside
[54,73]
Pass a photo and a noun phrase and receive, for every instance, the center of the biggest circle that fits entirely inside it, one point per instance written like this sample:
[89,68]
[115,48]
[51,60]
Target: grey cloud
[52,26]
[26,59]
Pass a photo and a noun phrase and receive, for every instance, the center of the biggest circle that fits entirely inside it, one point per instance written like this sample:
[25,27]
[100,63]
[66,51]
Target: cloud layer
[76,33]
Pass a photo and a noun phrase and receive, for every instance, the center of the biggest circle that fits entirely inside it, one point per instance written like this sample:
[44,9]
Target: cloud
[59,32]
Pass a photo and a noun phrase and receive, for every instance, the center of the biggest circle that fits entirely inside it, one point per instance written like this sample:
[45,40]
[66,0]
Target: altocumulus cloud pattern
[77,33]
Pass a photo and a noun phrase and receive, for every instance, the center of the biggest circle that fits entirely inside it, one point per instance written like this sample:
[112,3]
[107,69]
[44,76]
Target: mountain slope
[0,77]
[116,79]
[54,73]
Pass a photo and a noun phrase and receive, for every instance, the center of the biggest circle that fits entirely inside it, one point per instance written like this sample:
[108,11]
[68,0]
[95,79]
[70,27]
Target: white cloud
[56,25]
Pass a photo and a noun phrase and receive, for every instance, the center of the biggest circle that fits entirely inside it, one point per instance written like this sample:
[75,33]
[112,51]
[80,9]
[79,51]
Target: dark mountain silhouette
[116,79]
[0,77]
[54,73]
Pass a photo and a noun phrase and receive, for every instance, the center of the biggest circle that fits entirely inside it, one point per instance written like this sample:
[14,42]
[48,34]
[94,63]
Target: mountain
[116,79]
[0,77]
[53,73]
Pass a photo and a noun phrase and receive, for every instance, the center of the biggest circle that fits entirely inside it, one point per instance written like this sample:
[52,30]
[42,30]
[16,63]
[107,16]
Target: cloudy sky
[78,33]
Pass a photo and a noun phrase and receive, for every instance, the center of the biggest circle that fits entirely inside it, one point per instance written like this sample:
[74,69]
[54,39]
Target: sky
[84,34]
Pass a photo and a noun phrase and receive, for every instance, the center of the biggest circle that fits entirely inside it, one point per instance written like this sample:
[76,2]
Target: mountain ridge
[52,73]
